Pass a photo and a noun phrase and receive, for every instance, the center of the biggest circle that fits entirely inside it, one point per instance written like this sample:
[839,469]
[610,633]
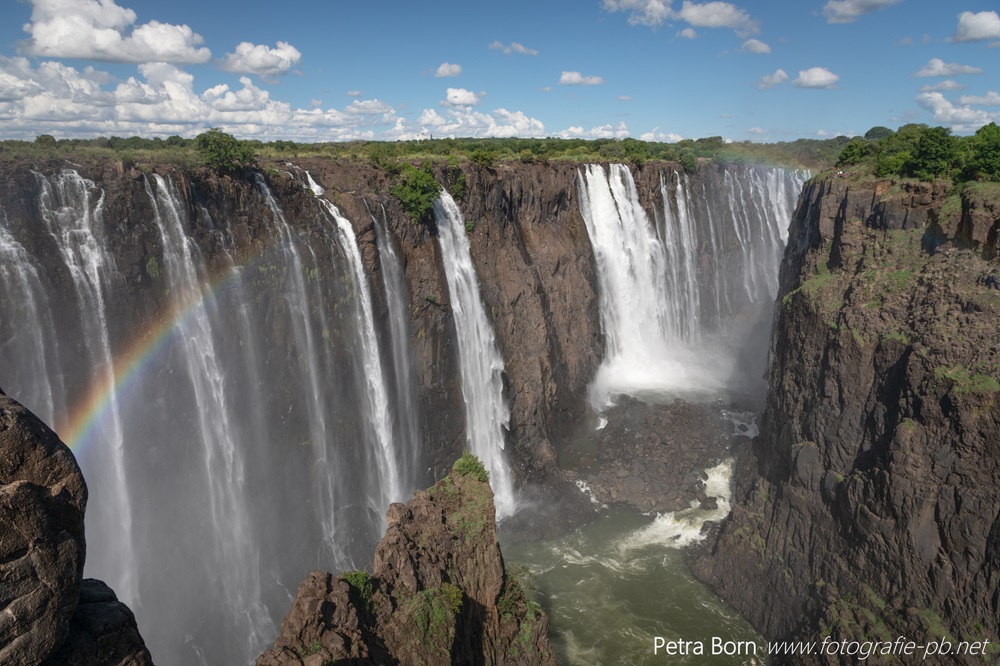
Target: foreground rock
[43,609]
[867,509]
[439,593]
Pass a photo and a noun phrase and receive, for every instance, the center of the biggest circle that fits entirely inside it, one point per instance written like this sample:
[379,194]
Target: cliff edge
[867,507]
[439,592]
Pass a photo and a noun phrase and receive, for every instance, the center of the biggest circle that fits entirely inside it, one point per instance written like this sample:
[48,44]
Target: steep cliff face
[439,593]
[867,507]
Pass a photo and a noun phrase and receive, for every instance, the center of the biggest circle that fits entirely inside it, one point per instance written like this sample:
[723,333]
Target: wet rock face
[868,506]
[652,457]
[42,547]
[439,593]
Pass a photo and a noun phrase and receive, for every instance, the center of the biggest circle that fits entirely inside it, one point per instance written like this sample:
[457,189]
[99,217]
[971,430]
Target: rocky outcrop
[45,612]
[438,594]
[867,507]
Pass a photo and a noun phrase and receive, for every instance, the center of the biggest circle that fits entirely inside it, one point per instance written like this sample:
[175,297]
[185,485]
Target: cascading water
[75,222]
[486,411]
[404,398]
[231,415]
[680,295]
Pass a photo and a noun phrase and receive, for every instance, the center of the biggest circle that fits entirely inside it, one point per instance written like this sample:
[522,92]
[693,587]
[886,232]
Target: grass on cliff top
[467,498]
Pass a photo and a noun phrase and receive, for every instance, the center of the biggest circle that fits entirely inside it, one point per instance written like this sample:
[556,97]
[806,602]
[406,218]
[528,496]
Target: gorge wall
[867,507]
[250,371]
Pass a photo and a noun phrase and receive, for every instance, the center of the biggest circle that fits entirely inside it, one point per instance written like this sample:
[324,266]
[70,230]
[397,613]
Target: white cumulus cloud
[461,97]
[977,27]
[947,84]
[663,137]
[97,30]
[756,46]
[759,131]
[959,118]
[262,60]
[816,77]
[847,11]
[770,80]
[513,47]
[688,33]
[698,14]
[619,131]
[577,79]
[938,67]
[448,69]
[992,98]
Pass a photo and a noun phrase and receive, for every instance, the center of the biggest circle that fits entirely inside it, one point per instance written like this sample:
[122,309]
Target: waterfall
[481,366]
[76,223]
[404,387]
[238,571]
[680,294]
[223,389]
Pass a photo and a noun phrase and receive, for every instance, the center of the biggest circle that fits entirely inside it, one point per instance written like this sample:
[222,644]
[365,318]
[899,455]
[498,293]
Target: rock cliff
[438,594]
[47,615]
[867,507]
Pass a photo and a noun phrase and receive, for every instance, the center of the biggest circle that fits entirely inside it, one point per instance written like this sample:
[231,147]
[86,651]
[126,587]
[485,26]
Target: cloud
[992,98]
[577,79]
[771,80]
[619,131]
[755,46]
[461,97]
[959,118]
[262,60]
[95,30]
[947,84]
[938,67]
[977,27]
[847,11]
[624,98]
[688,33]
[513,47]
[656,135]
[463,122]
[905,41]
[700,15]
[448,69]
[353,93]
[757,130]
[816,77]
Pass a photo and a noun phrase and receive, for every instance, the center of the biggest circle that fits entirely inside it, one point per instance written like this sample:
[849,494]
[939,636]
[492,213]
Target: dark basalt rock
[867,507]
[46,615]
[42,546]
[439,594]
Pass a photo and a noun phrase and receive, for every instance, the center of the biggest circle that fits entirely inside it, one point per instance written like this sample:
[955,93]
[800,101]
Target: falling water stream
[247,417]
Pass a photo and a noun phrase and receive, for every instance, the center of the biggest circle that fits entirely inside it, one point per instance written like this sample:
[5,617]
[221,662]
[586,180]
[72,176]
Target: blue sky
[342,69]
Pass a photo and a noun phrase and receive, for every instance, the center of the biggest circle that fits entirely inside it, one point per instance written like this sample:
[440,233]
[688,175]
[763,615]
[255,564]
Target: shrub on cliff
[224,152]
[470,465]
[417,191]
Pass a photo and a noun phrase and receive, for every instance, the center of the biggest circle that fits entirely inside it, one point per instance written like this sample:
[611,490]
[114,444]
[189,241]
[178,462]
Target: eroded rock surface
[438,594]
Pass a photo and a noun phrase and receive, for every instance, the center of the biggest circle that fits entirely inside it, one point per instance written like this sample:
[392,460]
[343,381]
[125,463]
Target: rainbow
[87,413]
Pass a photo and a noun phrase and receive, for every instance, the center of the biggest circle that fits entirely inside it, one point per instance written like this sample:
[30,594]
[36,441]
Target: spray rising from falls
[230,413]
[686,297]
[486,411]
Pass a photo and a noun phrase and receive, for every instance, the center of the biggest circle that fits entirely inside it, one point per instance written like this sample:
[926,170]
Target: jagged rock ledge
[48,614]
[439,592]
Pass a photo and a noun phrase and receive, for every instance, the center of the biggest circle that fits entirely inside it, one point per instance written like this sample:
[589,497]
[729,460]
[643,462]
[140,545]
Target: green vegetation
[963,381]
[469,465]
[224,152]
[152,268]
[454,595]
[919,151]
[391,156]
[433,612]
[361,588]
[417,190]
